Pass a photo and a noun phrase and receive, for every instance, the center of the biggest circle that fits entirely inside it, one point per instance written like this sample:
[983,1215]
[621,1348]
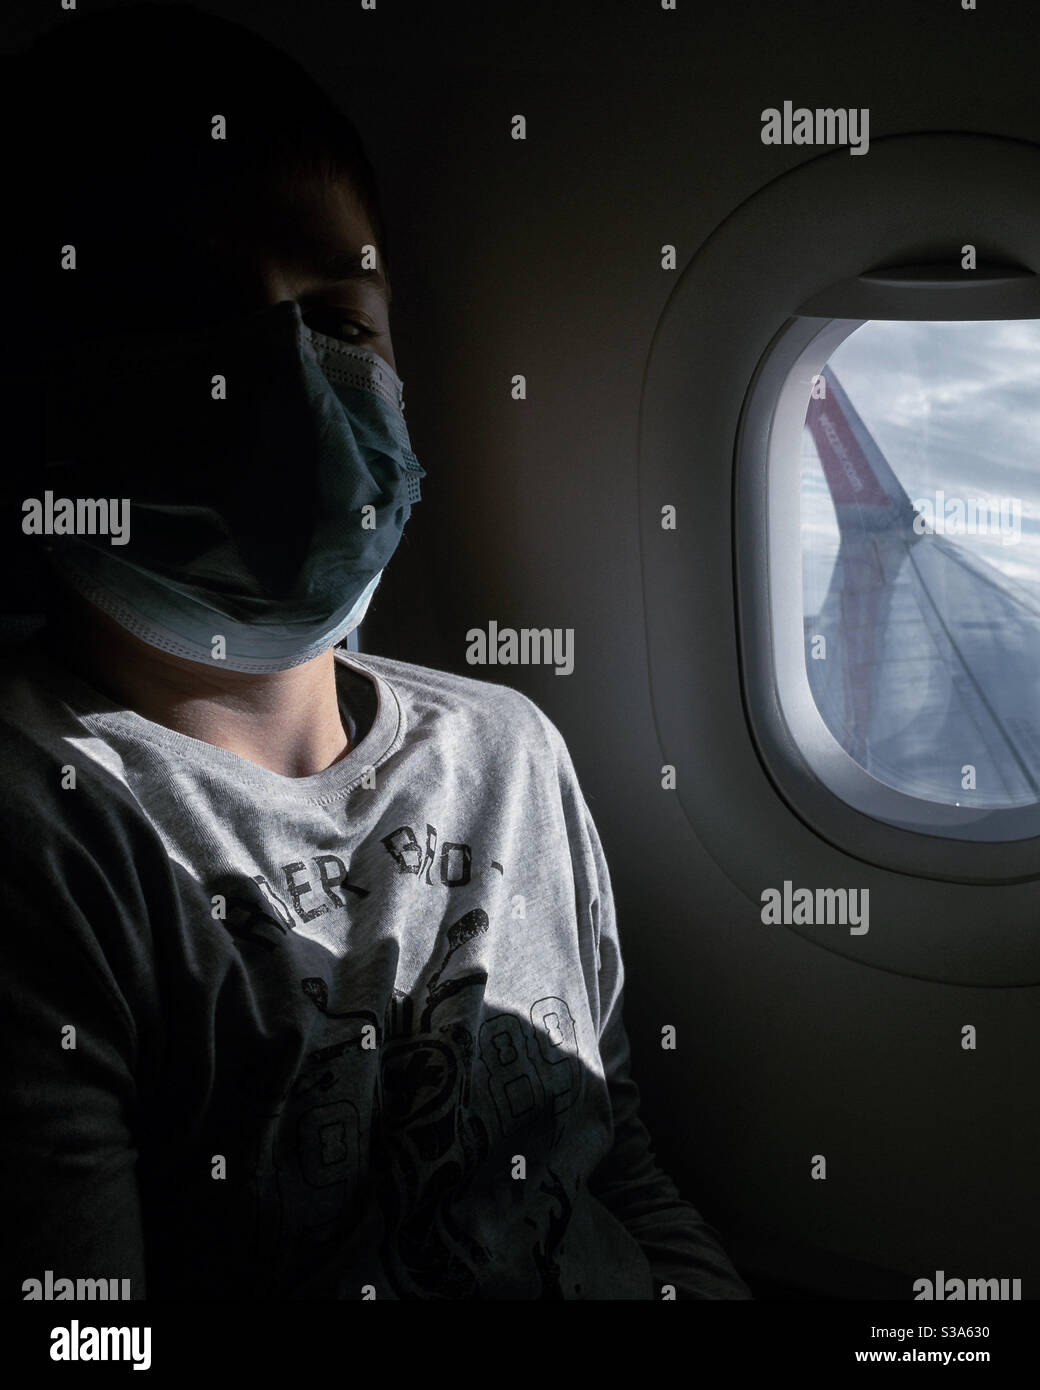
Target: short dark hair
[116,119]
[107,121]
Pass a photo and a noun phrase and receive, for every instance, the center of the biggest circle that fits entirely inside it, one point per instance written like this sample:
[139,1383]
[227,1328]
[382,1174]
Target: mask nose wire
[353,365]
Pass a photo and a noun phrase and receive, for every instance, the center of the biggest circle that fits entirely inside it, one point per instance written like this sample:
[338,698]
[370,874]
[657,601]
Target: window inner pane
[920,531]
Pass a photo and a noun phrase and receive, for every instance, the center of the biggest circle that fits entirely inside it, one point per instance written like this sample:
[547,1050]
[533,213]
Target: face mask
[269,476]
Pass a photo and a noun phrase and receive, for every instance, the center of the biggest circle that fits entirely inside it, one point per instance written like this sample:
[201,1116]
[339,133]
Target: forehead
[305,223]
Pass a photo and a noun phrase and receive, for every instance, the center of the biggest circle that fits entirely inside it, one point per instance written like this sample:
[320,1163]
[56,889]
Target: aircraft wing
[932,655]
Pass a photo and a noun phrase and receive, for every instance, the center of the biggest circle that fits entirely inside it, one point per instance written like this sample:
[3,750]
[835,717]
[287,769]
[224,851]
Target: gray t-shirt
[353,1032]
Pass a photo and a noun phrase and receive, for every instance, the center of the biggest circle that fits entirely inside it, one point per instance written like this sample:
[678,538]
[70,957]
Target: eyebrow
[346,266]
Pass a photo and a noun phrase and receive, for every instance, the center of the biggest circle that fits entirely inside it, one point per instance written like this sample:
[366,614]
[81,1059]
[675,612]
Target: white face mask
[265,517]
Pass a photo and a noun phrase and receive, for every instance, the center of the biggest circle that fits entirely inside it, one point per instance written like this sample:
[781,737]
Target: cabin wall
[542,257]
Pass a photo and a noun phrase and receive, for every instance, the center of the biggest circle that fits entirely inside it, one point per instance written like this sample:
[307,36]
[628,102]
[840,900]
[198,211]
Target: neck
[286,721]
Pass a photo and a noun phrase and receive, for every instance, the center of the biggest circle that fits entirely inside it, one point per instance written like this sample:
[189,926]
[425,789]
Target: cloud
[953,406]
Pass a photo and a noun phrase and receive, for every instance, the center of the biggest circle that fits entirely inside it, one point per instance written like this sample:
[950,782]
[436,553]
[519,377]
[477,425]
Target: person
[311,981]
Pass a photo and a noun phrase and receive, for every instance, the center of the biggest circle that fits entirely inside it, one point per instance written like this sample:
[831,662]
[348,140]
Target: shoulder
[54,785]
[496,716]
[35,727]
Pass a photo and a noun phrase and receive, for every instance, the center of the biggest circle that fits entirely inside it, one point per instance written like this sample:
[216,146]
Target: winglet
[866,493]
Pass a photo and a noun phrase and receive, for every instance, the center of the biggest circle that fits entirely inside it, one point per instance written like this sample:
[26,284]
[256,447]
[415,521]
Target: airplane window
[919,513]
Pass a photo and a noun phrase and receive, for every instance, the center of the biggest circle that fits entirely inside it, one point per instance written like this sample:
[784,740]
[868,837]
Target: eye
[338,325]
[350,328]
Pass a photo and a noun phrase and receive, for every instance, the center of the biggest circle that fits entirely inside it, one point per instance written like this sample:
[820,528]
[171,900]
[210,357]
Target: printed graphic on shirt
[440,1148]
[415,1107]
[320,883]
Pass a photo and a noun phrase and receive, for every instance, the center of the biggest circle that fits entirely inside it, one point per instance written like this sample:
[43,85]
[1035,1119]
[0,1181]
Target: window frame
[818,779]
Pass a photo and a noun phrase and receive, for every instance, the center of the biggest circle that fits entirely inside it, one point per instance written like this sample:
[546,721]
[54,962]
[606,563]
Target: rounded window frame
[832,793]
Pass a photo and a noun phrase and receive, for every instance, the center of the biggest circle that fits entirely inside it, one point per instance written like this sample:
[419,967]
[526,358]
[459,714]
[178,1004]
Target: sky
[953,406]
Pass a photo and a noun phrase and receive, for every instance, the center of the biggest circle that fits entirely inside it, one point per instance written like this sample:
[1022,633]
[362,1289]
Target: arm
[681,1248]
[68,1161]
